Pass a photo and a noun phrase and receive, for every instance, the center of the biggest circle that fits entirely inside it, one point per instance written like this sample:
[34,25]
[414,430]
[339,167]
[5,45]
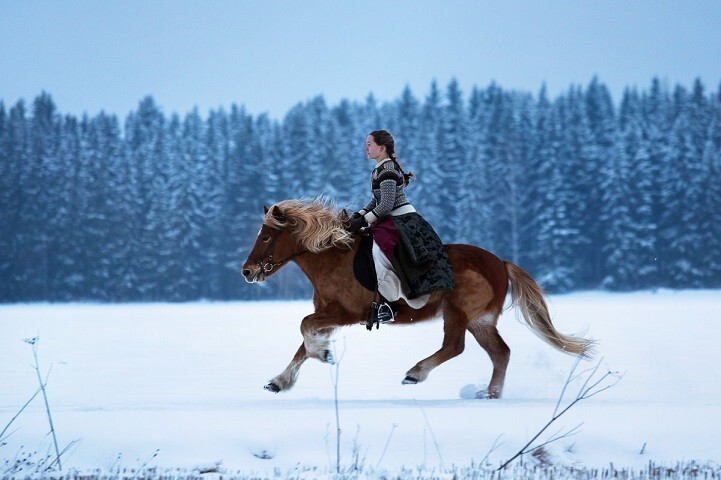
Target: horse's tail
[529,297]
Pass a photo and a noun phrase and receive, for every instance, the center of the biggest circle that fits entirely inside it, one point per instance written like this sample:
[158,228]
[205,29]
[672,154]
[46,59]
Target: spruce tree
[430,164]
[475,185]
[599,156]
[557,235]
[539,193]
[8,204]
[682,222]
[630,247]
[657,118]
[454,150]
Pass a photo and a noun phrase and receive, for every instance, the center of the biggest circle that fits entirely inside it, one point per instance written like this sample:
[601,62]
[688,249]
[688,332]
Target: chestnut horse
[311,233]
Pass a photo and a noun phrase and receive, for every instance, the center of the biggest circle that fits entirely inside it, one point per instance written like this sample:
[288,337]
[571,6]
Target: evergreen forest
[582,191]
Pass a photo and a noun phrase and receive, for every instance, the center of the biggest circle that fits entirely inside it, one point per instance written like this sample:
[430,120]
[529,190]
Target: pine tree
[657,115]
[520,182]
[215,175]
[351,167]
[712,161]
[145,145]
[409,141]
[630,248]
[538,194]
[111,211]
[203,195]
[20,283]
[179,234]
[9,176]
[43,187]
[300,153]
[557,234]
[73,252]
[454,160]
[474,181]
[711,259]
[248,177]
[168,185]
[700,118]
[599,156]
[322,159]
[430,165]
[683,223]
[498,155]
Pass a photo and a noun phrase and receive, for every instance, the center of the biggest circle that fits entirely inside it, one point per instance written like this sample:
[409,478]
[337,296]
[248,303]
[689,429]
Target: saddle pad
[363,266]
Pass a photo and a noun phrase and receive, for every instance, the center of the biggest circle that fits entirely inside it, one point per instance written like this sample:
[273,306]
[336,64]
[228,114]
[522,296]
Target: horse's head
[273,247]
[294,227]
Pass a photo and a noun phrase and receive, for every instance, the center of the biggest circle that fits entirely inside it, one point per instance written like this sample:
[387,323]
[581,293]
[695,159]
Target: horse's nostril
[246,272]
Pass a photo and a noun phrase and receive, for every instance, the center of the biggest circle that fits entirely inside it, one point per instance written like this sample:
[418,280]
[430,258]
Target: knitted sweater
[387,186]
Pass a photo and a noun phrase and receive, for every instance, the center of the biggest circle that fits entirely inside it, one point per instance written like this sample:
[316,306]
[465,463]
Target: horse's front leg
[317,329]
[288,377]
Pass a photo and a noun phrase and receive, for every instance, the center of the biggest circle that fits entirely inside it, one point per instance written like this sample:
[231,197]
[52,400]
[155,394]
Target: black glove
[355,215]
[356,224]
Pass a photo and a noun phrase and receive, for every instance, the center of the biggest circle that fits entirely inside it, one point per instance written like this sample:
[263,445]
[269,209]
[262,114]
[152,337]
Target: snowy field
[181,386]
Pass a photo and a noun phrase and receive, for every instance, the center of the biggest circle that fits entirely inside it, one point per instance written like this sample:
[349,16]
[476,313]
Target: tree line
[582,192]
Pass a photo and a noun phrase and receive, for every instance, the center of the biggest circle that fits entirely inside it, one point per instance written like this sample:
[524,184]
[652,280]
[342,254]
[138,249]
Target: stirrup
[379,313]
[385,313]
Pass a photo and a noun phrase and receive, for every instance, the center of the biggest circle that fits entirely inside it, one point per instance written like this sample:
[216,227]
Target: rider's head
[383,138]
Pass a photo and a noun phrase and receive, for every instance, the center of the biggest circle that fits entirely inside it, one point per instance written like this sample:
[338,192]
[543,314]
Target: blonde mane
[316,224]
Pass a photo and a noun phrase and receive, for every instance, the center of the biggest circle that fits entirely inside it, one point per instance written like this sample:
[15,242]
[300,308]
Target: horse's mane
[316,223]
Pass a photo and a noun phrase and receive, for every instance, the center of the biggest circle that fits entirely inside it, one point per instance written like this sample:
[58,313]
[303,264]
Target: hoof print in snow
[263,454]
[272,387]
[208,470]
[471,391]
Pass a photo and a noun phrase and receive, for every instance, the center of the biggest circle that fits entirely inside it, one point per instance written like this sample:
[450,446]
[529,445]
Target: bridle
[266,262]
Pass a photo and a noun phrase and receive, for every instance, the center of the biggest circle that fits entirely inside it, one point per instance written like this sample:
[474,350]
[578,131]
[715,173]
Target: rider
[409,257]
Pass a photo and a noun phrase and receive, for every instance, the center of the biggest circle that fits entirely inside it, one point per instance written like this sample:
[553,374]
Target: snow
[186,380]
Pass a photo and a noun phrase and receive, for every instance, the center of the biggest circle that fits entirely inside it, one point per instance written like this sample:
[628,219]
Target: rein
[266,262]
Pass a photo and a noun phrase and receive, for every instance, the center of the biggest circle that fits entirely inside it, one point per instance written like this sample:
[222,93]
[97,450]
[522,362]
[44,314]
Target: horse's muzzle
[253,275]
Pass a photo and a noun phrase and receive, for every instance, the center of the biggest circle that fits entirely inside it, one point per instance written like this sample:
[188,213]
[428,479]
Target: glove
[355,215]
[357,223]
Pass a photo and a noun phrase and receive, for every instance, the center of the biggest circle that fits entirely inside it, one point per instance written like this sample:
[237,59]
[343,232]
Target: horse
[312,233]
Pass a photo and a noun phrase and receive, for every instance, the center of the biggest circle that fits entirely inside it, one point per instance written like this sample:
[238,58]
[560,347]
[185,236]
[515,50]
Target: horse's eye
[265,238]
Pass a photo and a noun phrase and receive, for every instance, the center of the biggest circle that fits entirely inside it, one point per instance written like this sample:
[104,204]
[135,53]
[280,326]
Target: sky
[269,55]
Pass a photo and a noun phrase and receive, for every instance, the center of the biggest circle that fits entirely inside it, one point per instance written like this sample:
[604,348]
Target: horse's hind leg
[454,337]
[485,332]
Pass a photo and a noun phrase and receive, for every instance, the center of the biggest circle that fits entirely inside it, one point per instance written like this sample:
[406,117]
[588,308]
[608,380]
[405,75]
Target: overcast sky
[269,55]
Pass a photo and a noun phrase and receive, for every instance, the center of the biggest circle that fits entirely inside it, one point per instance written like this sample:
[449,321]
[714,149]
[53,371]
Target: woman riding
[410,259]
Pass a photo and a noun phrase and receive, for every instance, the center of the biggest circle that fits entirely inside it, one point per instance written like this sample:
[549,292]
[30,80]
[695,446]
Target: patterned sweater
[389,197]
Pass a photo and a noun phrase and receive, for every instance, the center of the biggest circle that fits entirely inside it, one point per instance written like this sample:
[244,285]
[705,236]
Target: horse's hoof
[409,380]
[488,394]
[328,357]
[272,387]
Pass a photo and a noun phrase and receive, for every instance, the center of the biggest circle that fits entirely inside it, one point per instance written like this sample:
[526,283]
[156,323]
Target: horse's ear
[265,209]
[276,213]
[344,215]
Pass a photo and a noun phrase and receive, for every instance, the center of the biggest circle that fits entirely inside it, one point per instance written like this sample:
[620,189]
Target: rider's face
[373,150]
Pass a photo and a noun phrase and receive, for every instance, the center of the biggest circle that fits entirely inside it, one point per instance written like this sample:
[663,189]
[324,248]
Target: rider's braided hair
[383,137]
